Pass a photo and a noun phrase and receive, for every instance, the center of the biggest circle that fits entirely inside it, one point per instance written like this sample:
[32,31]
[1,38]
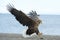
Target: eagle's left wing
[21,17]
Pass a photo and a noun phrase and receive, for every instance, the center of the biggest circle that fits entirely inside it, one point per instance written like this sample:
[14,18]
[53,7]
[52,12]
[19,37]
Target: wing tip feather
[10,7]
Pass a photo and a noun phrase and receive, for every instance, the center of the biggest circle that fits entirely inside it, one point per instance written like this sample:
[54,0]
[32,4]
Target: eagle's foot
[40,35]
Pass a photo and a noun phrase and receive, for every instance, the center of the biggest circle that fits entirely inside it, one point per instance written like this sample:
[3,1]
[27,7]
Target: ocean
[50,24]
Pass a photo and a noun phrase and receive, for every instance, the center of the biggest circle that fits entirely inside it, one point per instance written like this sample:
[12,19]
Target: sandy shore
[6,36]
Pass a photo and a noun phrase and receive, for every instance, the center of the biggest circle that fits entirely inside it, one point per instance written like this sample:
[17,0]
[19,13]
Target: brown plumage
[25,20]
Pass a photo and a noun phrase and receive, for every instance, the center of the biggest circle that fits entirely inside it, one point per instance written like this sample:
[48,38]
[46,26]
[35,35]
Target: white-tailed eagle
[32,21]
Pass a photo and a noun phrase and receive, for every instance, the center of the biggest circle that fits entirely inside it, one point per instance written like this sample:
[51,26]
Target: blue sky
[41,6]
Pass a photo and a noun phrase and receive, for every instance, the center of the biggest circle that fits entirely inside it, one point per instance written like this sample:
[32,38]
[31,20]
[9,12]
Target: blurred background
[49,11]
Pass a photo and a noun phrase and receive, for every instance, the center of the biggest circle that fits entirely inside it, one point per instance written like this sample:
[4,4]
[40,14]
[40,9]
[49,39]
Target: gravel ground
[6,36]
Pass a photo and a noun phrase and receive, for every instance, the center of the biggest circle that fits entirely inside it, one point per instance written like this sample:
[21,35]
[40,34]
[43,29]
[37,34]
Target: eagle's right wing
[21,17]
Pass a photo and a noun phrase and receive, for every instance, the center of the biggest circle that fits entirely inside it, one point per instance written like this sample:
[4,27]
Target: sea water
[50,24]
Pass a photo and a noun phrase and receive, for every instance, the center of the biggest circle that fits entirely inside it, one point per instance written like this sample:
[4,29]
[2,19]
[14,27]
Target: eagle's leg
[39,34]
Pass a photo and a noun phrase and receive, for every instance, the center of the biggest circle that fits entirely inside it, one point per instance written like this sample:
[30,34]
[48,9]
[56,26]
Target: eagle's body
[32,21]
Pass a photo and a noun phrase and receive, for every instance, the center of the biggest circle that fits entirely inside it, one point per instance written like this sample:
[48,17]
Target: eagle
[32,21]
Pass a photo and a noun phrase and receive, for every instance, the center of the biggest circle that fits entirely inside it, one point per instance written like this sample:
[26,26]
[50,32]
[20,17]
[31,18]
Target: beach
[10,36]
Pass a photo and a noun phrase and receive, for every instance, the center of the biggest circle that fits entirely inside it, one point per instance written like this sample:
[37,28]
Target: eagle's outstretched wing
[21,17]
